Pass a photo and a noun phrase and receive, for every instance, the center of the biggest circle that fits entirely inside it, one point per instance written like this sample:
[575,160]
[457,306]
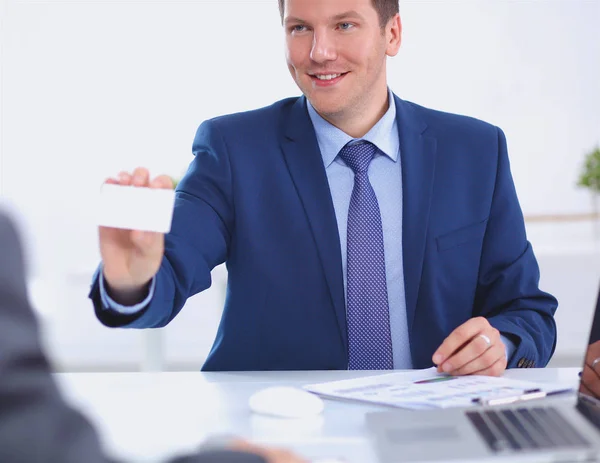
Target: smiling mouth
[327,77]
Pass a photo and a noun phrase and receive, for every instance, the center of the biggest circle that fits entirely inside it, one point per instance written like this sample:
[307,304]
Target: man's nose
[323,48]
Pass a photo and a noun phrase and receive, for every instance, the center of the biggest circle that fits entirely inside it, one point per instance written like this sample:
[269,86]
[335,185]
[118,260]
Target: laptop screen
[589,384]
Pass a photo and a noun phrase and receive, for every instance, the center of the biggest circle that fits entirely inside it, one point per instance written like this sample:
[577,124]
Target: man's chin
[326,107]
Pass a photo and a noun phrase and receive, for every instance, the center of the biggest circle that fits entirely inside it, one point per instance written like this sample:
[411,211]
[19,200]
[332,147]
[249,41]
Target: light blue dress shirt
[385,175]
[108,302]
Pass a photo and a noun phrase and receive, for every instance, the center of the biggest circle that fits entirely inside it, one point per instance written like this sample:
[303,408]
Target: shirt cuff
[110,304]
[509,346]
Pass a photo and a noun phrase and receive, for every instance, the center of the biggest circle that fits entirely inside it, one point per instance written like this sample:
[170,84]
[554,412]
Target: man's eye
[298,28]
[346,26]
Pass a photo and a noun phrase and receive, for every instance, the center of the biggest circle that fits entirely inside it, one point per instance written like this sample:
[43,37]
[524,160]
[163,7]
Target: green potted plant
[590,174]
[590,178]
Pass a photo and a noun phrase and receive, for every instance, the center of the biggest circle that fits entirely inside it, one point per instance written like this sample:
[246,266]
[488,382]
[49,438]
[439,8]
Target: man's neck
[361,120]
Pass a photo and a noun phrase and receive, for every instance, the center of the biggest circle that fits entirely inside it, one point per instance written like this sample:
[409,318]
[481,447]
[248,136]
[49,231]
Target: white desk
[148,416]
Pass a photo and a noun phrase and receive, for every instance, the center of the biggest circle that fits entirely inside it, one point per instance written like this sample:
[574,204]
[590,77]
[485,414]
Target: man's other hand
[474,348]
[590,377]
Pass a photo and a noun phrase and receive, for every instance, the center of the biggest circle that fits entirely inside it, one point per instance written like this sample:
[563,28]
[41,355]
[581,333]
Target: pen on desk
[528,394]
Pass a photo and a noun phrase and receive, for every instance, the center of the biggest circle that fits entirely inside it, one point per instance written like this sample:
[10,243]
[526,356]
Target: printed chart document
[422,389]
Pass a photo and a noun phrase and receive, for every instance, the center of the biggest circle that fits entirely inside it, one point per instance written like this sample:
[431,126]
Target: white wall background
[89,88]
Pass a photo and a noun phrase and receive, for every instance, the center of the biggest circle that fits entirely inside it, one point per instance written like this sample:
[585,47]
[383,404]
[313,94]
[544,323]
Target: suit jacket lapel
[418,153]
[305,163]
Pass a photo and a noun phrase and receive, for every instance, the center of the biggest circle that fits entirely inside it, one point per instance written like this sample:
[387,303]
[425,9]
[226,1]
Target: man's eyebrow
[348,14]
[292,19]
[337,17]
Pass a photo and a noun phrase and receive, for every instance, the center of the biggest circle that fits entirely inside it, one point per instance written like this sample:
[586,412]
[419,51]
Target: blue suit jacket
[256,196]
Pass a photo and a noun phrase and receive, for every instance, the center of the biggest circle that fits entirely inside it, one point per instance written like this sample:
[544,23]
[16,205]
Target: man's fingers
[482,362]
[475,348]
[496,369]
[145,240]
[592,389]
[272,455]
[124,178]
[162,181]
[458,337]
[590,378]
[594,368]
[585,390]
[243,445]
[439,367]
[141,176]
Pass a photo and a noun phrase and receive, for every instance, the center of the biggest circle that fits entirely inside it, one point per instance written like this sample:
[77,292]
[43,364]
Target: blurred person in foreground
[36,425]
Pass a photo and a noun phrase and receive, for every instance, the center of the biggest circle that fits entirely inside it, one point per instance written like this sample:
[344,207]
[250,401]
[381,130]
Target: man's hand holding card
[135,213]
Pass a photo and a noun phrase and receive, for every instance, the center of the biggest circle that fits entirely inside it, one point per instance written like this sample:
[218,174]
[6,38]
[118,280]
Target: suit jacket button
[521,362]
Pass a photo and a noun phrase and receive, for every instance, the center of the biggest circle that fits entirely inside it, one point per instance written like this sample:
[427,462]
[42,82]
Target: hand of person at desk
[474,348]
[131,257]
[590,377]
[271,455]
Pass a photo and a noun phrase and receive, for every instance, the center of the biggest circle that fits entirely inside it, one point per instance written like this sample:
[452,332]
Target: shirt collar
[384,134]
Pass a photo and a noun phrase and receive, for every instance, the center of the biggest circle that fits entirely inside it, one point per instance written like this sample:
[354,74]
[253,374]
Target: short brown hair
[386,9]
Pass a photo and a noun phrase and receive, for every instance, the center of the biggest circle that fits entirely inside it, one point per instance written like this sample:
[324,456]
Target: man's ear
[393,35]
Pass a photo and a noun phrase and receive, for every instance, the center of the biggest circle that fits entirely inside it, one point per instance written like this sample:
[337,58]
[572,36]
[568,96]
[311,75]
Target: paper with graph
[422,389]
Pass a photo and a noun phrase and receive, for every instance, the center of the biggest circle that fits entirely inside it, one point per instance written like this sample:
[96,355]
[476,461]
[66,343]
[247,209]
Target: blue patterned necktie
[369,337]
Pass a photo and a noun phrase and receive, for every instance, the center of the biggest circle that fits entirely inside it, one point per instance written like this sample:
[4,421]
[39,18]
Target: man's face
[336,52]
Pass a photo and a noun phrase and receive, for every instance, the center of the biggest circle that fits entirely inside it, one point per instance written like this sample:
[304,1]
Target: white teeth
[328,76]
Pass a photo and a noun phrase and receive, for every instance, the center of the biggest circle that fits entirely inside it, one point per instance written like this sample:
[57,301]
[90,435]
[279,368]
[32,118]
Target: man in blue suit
[359,230]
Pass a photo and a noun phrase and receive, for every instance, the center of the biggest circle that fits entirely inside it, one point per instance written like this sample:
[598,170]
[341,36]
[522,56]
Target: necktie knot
[358,156]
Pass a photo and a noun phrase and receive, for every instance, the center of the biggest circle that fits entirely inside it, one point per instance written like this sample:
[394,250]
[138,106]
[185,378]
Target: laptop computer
[549,429]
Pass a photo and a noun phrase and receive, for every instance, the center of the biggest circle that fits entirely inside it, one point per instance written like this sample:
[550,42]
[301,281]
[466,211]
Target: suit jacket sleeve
[36,425]
[199,237]
[508,294]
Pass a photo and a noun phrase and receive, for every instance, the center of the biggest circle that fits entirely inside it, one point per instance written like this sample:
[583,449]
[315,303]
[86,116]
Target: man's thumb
[142,239]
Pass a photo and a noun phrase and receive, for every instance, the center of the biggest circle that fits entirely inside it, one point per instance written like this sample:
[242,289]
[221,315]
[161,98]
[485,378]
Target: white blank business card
[136,208]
